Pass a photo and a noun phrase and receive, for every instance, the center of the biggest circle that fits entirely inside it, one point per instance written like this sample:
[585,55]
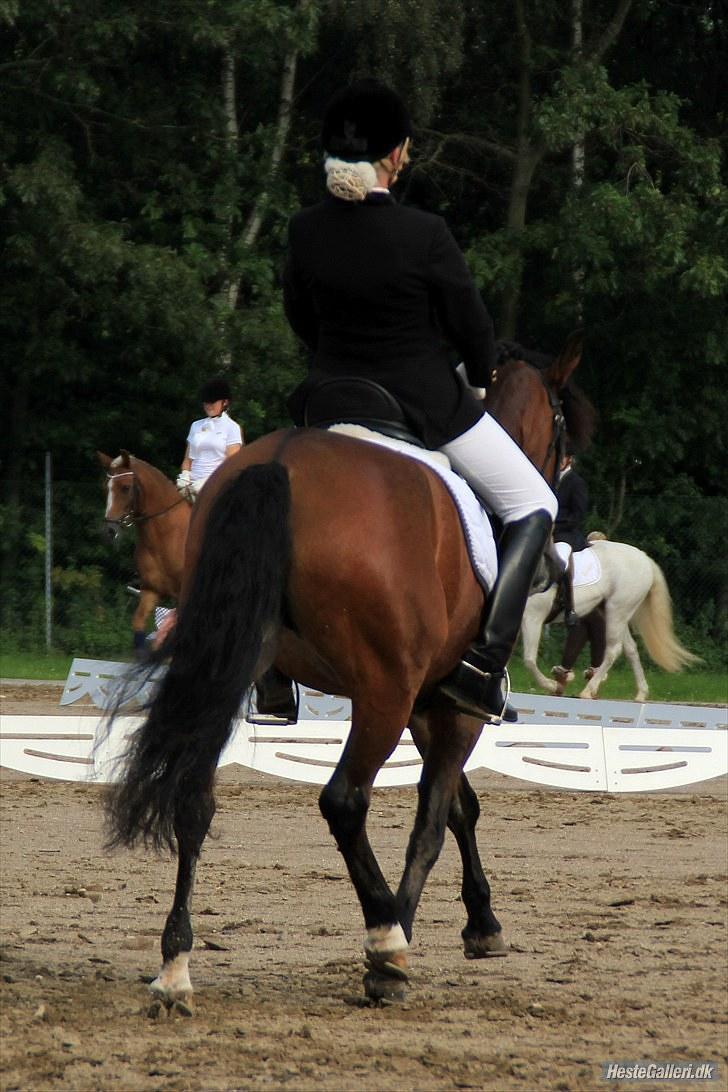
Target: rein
[132,518]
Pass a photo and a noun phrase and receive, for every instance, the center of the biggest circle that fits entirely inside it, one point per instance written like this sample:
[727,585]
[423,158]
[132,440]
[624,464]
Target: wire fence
[76,598]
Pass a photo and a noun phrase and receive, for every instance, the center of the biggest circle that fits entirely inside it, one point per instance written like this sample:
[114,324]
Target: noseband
[131,517]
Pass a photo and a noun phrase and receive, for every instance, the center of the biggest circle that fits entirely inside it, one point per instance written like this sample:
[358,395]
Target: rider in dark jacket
[380,291]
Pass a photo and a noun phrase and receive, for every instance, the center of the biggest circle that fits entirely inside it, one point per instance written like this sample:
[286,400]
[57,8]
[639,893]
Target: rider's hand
[185,485]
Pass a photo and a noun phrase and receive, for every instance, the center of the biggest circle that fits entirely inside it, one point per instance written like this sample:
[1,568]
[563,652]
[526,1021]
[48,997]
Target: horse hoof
[386,979]
[479,947]
[179,1000]
[384,988]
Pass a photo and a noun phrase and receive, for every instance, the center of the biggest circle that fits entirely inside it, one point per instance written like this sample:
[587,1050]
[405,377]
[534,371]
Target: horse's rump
[375,538]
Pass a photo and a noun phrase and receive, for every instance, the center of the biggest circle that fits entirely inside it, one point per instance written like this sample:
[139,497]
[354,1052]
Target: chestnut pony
[345,565]
[140,496]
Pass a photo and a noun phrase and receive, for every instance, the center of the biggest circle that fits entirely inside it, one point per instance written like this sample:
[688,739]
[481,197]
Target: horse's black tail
[233,603]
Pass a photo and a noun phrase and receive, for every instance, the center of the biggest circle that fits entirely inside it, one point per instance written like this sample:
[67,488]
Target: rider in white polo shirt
[211,439]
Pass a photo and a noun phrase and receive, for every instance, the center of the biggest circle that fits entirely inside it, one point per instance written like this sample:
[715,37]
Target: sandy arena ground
[614,907]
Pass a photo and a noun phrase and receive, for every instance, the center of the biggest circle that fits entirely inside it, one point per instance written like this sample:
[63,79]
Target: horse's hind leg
[344,803]
[172,985]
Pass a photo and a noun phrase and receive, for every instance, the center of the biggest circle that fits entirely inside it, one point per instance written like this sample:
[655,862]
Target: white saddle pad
[476,525]
[587,568]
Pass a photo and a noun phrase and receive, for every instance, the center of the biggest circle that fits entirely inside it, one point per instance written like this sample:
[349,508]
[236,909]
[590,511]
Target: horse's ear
[568,360]
[125,457]
[104,460]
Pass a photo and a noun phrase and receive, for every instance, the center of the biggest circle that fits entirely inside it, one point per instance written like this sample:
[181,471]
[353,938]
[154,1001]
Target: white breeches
[563,551]
[496,468]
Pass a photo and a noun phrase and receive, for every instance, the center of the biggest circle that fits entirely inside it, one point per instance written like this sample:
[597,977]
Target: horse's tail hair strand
[653,620]
[234,601]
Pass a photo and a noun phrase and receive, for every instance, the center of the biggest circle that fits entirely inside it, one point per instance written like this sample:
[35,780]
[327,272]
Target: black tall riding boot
[571,618]
[475,686]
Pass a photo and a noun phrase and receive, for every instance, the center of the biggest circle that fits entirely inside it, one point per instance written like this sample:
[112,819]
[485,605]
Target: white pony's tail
[654,622]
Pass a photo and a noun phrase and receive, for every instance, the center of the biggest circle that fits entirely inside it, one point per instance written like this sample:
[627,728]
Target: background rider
[211,439]
[572,493]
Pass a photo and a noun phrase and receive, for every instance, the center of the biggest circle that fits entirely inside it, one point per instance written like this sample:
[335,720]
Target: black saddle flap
[358,401]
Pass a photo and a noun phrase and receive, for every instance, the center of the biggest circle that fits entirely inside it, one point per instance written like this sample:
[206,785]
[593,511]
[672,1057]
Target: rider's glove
[184,484]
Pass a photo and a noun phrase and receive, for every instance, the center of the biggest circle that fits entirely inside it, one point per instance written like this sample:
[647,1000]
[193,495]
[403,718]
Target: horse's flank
[341,526]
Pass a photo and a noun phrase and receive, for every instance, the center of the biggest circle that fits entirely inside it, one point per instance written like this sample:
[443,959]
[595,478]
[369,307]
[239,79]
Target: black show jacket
[573,498]
[380,290]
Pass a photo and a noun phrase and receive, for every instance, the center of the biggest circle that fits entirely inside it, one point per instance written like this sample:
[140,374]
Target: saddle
[357,401]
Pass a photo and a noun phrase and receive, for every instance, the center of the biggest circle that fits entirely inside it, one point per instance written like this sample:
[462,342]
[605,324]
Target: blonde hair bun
[349,181]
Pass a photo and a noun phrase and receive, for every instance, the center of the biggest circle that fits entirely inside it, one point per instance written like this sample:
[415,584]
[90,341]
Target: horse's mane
[579,413]
[506,350]
[154,473]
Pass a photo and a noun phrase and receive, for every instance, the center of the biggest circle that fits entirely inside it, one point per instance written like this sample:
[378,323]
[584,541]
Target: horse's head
[121,494]
[535,401]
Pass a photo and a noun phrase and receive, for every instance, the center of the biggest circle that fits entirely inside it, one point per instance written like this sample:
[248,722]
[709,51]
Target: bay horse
[344,564]
[140,496]
[633,588]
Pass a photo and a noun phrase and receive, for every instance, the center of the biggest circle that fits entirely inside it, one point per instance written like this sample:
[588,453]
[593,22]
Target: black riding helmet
[215,390]
[364,121]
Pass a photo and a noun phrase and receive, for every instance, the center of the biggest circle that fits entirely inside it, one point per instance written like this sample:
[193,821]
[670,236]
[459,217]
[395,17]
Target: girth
[357,401]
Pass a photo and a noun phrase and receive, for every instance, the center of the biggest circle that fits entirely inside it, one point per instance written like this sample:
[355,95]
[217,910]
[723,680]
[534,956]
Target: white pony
[633,588]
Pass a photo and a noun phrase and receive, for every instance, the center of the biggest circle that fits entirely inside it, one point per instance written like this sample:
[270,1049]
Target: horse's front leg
[344,803]
[482,936]
[615,643]
[451,739]
[173,985]
[148,600]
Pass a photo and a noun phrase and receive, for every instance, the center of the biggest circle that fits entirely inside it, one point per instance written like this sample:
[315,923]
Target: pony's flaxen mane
[579,413]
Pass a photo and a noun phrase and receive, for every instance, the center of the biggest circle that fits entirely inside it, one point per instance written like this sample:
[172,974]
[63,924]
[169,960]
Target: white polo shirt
[209,438]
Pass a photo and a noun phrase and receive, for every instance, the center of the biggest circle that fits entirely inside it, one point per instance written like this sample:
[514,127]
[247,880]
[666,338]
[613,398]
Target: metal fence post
[48,551]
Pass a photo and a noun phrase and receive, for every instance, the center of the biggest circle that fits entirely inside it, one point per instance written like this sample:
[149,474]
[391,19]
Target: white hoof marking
[173,981]
[384,939]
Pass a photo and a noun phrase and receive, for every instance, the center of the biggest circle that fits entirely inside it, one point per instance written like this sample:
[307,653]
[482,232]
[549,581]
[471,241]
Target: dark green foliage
[133,267]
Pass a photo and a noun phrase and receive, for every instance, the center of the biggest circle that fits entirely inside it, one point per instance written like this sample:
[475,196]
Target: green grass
[693,686]
[41,665]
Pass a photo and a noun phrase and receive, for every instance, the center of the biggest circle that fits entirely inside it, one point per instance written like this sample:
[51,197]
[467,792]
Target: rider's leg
[571,618]
[596,624]
[514,490]
[576,638]
[276,695]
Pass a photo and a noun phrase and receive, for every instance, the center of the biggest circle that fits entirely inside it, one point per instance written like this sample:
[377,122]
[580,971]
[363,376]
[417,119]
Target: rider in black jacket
[380,291]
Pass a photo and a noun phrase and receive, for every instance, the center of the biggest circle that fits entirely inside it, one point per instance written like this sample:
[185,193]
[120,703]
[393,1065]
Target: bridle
[131,517]
[557,445]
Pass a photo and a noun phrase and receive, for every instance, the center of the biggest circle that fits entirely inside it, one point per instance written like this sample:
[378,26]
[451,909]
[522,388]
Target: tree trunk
[285,110]
[229,95]
[616,506]
[526,160]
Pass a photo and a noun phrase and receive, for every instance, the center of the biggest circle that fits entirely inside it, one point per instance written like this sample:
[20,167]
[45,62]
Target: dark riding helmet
[215,390]
[364,121]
